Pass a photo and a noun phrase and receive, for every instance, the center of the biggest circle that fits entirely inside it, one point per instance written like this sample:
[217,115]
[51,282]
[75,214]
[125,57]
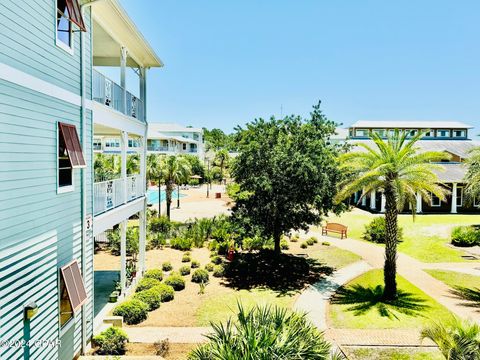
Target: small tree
[175,169]
[288,169]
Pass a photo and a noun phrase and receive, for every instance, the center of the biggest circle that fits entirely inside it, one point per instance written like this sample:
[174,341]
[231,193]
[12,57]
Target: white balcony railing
[111,193]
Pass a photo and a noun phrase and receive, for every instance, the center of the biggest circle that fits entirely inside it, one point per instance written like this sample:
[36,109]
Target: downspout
[84,175]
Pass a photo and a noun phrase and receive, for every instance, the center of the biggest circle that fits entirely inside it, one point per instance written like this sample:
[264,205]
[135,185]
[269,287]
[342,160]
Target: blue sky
[228,62]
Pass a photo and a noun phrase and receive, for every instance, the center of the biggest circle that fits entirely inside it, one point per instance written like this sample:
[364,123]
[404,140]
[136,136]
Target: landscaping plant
[167,266]
[154,274]
[465,236]
[186,258]
[133,311]
[184,270]
[209,267]
[218,271]
[195,264]
[151,297]
[111,341]
[147,283]
[176,281]
[375,231]
[200,276]
[166,292]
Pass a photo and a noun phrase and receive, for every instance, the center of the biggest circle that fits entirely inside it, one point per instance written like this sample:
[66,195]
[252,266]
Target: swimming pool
[152,195]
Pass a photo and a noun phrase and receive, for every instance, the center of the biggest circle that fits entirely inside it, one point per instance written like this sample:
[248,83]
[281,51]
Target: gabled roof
[452,172]
[171,127]
[392,124]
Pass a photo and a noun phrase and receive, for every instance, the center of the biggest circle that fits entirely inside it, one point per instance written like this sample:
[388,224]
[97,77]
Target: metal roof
[454,172]
[394,124]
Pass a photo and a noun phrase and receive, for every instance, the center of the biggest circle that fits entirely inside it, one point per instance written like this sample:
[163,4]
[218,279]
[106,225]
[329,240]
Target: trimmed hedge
[146,283]
[154,274]
[176,281]
[133,311]
[112,341]
[465,236]
[184,270]
[167,266]
[186,258]
[209,267]
[195,264]
[200,275]
[151,297]
[375,231]
[166,292]
[304,245]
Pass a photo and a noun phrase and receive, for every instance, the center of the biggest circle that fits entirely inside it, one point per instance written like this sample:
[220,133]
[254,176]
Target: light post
[208,172]
[178,196]
[160,194]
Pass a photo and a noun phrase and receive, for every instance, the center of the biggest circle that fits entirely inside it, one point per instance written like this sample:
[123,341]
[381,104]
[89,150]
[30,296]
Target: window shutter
[72,144]
[75,14]
[74,285]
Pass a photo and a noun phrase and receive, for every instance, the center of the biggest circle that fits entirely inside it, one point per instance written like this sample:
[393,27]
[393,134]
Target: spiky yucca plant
[264,333]
[396,167]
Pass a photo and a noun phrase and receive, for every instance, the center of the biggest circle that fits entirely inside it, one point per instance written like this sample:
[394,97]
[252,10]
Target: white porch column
[142,237]
[355,197]
[373,195]
[382,206]
[364,199]
[143,162]
[454,198]
[124,145]
[143,91]
[123,81]
[419,203]
[123,255]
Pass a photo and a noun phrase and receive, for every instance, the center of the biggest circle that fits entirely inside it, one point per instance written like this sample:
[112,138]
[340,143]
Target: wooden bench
[336,228]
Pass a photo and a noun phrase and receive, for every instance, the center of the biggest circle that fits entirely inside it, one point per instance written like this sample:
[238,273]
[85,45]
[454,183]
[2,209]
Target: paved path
[147,334]
[411,269]
[314,300]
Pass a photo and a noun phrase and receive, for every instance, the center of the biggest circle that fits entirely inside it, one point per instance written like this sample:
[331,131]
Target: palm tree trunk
[391,232]
[168,191]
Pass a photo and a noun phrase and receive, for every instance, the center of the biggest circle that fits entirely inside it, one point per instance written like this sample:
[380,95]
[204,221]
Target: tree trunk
[391,235]
[276,239]
[168,191]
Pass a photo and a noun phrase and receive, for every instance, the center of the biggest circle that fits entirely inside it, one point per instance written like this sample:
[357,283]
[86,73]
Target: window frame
[432,196]
[69,323]
[476,202]
[58,42]
[463,133]
[441,136]
[367,133]
[460,189]
[66,188]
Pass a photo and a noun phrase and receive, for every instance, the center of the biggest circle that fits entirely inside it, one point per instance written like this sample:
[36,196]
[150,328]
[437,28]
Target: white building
[171,139]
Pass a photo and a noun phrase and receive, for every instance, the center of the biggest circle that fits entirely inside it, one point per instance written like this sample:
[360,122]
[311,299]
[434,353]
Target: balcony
[111,194]
[109,93]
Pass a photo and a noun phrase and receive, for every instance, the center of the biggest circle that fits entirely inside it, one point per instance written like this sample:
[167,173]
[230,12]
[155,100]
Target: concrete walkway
[148,334]
[412,270]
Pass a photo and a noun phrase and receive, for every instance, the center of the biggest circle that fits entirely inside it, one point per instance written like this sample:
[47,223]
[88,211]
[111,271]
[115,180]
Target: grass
[395,354]
[358,305]
[426,238]
[333,256]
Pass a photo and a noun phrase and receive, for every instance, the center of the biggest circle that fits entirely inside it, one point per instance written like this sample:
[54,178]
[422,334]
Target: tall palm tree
[104,167]
[221,158]
[472,177]
[153,168]
[455,338]
[400,171]
[175,169]
[133,164]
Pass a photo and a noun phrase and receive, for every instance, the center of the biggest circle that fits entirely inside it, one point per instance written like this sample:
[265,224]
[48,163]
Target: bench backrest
[336,226]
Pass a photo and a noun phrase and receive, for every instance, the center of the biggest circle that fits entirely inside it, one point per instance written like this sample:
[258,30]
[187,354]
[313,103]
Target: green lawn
[332,256]
[456,279]
[426,238]
[358,305]
[220,308]
[395,354]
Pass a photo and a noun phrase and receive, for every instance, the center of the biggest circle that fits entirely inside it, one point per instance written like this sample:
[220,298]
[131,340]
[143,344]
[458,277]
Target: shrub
[151,297]
[146,283]
[133,311]
[326,243]
[112,341]
[181,243]
[257,243]
[161,347]
[209,267]
[199,276]
[283,335]
[154,274]
[176,281]
[184,270]
[314,239]
[284,244]
[132,247]
[160,225]
[186,258]
[167,266]
[217,260]
[218,271]
[375,231]
[156,240]
[166,292]
[465,236]
[295,238]
[310,242]
[195,264]
[304,245]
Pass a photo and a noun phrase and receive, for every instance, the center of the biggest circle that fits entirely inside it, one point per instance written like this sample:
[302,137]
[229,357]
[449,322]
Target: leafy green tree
[221,159]
[105,167]
[133,164]
[215,139]
[288,169]
[472,178]
[400,171]
[196,165]
[153,168]
[175,170]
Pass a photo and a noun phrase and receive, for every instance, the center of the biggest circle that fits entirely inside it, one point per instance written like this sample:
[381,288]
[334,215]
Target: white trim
[33,83]
[476,202]
[112,217]
[60,43]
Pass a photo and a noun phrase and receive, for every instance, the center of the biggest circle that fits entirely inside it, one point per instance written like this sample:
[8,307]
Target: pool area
[152,195]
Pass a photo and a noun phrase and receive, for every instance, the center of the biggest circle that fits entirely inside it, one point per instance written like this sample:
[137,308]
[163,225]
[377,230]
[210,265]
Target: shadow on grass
[364,299]
[471,295]
[286,273]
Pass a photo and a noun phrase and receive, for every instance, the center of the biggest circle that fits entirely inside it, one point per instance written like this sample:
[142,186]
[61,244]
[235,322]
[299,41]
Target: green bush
[295,238]
[284,244]
[199,276]
[195,264]
[112,341]
[314,239]
[217,260]
[304,245]
[146,283]
[186,258]
[156,240]
[160,225]
[176,281]
[375,231]
[133,311]
[209,267]
[166,292]
[310,242]
[465,236]
[218,271]
[184,270]
[326,243]
[154,274]
[181,243]
[132,243]
[151,297]
[167,266]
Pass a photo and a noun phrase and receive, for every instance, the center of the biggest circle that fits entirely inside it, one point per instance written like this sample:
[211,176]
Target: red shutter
[72,144]
[74,285]
[75,14]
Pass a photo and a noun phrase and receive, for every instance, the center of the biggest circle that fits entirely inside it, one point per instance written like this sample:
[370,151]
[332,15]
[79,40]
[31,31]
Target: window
[412,132]
[133,143]
[428,133]
[459,196]
[97,144]
[443,133]
[476,202]
[70,155]
[112,143]
[68,13]
[361,132]
[459,133]
[435,201]
[72,291]
[380,132]
[184,146]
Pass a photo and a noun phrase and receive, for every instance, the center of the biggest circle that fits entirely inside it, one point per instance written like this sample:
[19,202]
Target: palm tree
[472,178]
[397,168]
[104,167]
[221,158]
[457,339]
[133,164]
[153,168]
[175,169]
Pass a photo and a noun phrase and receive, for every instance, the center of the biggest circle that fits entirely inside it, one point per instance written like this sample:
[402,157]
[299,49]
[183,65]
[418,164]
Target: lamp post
[208,172]
[178,196]
[160,194]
